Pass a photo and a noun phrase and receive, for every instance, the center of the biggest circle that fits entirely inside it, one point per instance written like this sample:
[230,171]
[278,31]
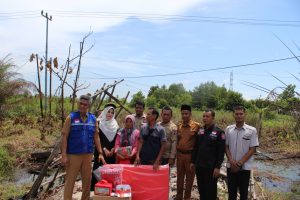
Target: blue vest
[81,136]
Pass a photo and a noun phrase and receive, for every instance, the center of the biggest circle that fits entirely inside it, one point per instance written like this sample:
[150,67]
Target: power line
[203,70]
[151,16]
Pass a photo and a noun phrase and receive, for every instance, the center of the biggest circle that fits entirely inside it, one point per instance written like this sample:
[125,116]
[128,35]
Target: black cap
[110,104]
[186,107]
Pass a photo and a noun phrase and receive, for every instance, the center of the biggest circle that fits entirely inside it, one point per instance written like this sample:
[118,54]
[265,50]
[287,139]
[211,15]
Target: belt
[185,151]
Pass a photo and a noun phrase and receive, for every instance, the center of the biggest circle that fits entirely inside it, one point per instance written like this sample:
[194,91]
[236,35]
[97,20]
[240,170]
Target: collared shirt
[187,135]
[171,134]
[139,121]
[239,141]
[209,148]
[152,139]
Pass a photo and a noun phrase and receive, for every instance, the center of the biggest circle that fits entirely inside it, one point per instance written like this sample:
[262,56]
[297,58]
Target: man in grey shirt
[241,143]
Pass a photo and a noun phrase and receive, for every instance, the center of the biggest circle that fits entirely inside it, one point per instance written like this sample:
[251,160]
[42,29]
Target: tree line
[210,95]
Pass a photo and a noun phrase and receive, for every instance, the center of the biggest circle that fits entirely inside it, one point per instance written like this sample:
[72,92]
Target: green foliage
[233,99]
[135,97]
[11,191]
[174,96]
[209,95]
[9,83]
[151,102]
[289,92]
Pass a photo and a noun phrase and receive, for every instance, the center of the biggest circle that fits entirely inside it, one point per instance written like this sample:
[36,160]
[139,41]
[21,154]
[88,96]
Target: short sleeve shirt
[139,121]
[171,135]
[152,139]
[239,140]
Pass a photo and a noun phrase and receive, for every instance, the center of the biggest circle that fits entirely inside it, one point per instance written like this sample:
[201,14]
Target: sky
[134,38]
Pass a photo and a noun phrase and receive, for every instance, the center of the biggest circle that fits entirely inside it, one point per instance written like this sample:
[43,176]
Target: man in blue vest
[79,135]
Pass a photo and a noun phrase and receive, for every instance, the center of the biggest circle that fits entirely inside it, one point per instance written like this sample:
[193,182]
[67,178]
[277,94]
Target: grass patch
[11,191]
[6,163]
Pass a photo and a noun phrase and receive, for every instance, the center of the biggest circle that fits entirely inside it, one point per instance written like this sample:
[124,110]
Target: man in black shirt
[152,141]
[208,155]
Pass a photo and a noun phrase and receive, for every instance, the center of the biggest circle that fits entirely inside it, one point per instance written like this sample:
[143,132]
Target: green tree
[233,99]
[152,90]
[138,96]
[209,95]
[10,84]
[151,101]
[289,92]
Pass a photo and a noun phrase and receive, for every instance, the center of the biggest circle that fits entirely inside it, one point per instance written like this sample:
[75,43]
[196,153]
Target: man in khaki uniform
[187,131]
[171,133]
[139,116]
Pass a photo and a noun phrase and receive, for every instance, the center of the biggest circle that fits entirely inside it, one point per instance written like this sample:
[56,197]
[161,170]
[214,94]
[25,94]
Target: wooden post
[94,98]
[50,92]
[117,101]
[101,101]
[39,80]
[119,111]
[112,92]
[52,181]
[34,189]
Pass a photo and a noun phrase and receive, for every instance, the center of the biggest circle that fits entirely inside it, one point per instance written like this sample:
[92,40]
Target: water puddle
[282,177]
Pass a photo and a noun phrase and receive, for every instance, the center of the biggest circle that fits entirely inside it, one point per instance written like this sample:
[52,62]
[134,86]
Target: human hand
[171,162]
[216,173]
[64,160]
[156,165]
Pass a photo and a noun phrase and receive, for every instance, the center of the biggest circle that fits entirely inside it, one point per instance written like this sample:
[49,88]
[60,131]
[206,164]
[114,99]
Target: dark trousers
[164,161]
[207,185]
[238,181]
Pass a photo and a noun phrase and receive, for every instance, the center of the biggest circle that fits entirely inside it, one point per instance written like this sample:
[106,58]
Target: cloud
[23,36]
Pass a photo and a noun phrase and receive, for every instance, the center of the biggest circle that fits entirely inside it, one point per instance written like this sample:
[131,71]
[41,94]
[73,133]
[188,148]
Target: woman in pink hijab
[127,141]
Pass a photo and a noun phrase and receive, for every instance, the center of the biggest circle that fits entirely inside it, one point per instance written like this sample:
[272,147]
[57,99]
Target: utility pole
[231,81]
[46,56]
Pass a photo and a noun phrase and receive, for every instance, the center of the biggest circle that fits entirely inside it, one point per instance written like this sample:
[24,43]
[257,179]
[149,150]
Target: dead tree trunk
[39,80]
[77,76]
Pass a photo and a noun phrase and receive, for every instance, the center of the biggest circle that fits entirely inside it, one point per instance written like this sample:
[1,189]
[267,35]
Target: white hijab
[108,127]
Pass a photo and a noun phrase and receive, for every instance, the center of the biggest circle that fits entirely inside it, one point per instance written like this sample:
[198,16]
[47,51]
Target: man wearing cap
[208,156]
[187,130]
[79,134]
[241,143]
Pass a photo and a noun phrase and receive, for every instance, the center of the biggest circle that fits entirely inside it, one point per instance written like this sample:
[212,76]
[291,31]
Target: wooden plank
[112,92]
[118,102]
[107,87]
[119,111]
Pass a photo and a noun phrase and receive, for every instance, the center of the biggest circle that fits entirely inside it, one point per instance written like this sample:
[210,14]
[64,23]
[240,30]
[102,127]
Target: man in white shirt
[241,143]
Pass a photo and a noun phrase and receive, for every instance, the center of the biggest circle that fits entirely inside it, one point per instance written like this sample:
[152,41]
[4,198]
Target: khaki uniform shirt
[171,133]
[187,135]
[139,121]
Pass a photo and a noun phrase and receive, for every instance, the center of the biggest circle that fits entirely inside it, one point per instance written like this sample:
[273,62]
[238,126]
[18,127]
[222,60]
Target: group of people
[197,148]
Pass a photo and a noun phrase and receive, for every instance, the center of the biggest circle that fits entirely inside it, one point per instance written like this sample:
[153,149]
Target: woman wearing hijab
[108,128]
[126,145]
